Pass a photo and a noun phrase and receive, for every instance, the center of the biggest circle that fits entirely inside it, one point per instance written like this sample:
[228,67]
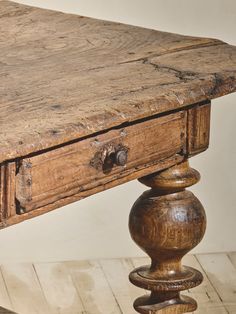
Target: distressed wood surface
[118,179]
[102,286]
[63,77]
[7,191]
[46,181]
[72,169]
[198,129]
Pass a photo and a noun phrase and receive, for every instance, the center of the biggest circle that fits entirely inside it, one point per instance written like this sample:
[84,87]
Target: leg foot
[178,304]
[167,221]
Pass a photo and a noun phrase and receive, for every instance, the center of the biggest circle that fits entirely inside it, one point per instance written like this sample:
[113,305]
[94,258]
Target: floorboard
[222,274]
[102,286]
[24,289]
[58,288]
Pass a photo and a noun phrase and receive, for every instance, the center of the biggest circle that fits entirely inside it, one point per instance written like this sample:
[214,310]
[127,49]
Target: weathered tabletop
[63,77]
[86,105]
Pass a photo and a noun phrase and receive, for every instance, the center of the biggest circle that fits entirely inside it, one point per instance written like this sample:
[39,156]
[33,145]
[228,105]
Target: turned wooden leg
[167,221]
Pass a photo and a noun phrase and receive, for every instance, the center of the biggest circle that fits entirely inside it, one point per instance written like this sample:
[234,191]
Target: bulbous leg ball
[166,222]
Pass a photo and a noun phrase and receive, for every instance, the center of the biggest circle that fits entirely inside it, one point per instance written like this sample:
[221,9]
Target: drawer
[65,171]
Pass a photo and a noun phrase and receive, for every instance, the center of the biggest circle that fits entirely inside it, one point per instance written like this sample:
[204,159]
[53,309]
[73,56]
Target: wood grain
[85,105]
[59,280]
[24,289]
[7,191]
[166,222]
[79,76]
[92,285]
[119,282]
[71,169]
[66,174]
[117,180]
[222,274]
[5,300]
[208,299]
[198,129]
[58,288]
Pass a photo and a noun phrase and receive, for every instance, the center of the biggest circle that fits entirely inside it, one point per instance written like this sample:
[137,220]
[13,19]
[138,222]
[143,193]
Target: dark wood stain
[167,222]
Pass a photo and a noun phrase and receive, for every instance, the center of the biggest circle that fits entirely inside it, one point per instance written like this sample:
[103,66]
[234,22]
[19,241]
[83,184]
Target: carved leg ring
[167,221]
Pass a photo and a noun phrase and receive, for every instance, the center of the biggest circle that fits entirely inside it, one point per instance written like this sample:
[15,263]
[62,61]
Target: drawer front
[46,178]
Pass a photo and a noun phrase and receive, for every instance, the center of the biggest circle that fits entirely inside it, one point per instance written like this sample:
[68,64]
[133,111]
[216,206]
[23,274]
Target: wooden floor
[102,286]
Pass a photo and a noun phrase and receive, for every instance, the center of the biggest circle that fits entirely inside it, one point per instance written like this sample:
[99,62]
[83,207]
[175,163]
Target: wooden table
[86,105]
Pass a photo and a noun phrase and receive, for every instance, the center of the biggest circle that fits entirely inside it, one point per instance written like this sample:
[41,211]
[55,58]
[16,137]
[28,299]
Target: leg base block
[182,304]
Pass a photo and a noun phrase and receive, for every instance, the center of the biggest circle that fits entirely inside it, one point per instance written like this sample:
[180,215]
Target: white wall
[97,226]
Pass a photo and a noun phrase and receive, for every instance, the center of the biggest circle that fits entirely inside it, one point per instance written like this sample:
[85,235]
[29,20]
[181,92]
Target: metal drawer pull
[121,157]
[109,156]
